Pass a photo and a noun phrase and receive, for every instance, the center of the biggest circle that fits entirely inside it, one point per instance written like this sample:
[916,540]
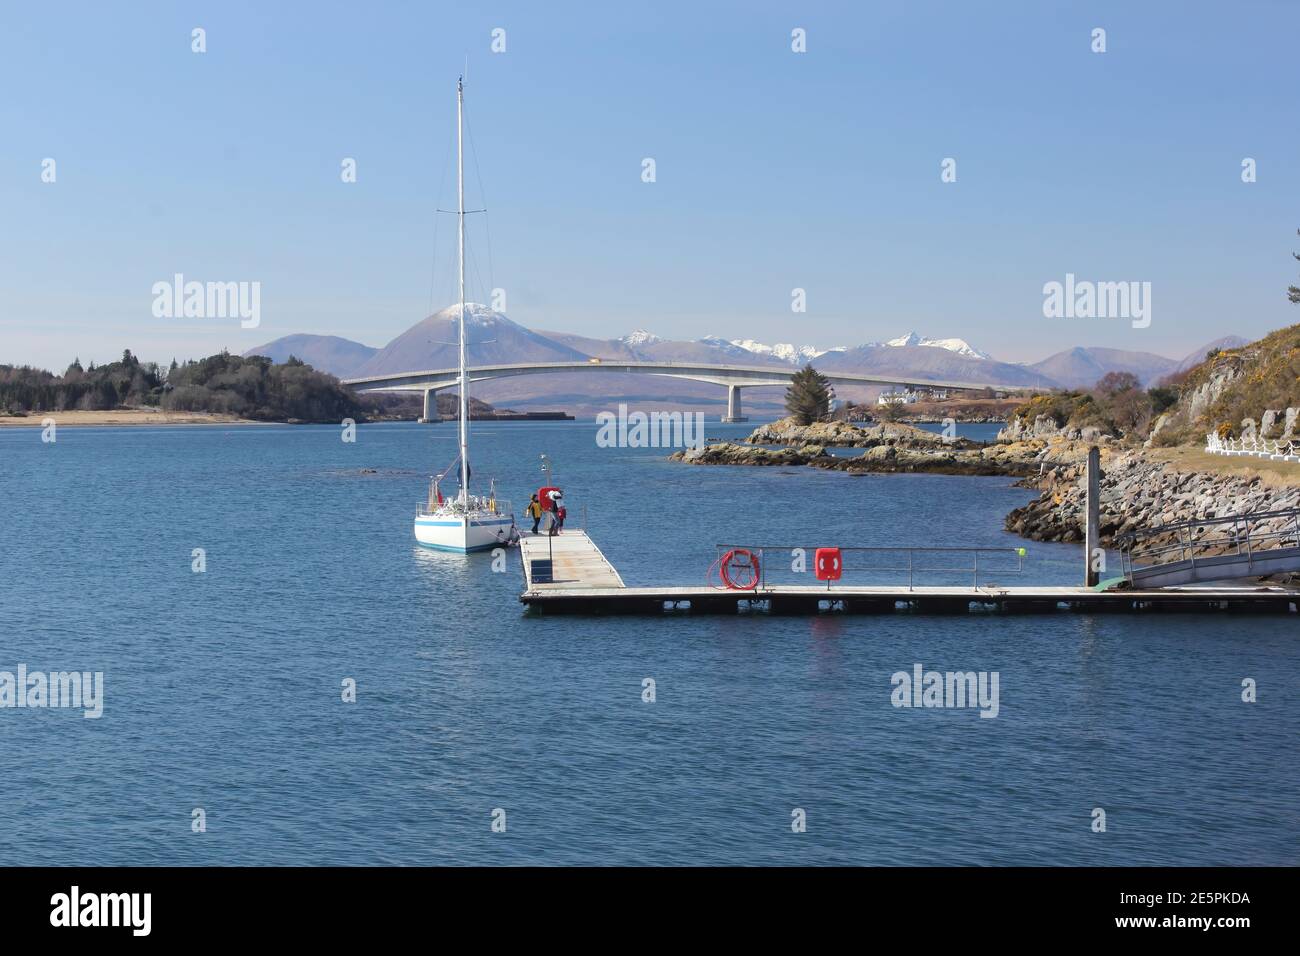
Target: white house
[898,397]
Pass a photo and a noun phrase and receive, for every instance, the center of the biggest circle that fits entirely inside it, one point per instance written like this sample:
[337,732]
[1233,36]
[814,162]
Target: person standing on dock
[534,511]
[560,514]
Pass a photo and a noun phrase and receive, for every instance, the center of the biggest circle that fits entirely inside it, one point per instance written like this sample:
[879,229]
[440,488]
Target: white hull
[456,531]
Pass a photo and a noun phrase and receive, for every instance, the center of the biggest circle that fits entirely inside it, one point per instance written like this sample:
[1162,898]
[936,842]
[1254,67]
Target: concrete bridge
[731,377]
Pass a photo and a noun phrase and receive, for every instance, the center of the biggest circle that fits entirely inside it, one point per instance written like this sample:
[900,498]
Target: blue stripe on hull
[443,547]
[502,522]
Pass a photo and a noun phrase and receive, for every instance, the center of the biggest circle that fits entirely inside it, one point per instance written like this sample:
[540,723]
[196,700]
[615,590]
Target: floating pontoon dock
[583,581]
[575,562]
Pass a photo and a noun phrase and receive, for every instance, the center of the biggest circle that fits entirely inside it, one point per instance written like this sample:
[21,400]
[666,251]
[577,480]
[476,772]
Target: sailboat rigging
[467,522]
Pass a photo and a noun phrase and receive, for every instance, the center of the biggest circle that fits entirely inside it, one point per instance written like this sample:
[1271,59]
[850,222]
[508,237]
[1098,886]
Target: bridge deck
[743,376]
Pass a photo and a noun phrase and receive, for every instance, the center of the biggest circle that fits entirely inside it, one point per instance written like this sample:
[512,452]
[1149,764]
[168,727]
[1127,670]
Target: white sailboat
[466,522]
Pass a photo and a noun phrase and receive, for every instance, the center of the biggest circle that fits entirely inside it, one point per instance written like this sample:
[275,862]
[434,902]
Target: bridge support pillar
[734,414]
[430,406]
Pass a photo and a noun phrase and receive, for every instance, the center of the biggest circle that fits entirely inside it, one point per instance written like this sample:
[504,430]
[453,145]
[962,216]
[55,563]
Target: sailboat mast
[460,220]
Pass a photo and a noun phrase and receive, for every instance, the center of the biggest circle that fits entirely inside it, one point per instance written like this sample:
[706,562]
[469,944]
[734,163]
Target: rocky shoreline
[1138,490]
[885,457]
[887,448]
[850,435]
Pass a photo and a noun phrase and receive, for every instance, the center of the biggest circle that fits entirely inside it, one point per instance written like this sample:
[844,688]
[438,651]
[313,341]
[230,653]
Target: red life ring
[739,570]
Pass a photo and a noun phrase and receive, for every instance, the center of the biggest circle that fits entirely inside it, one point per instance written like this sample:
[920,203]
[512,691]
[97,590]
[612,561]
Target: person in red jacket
[560,514]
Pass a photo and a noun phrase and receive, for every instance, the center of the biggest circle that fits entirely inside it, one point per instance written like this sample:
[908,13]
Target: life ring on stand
[738,569]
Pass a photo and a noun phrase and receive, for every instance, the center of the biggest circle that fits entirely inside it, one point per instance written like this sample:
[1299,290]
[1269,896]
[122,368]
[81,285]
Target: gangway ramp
[1208,550]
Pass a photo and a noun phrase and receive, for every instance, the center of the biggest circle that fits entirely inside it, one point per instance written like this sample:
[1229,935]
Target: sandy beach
[123,416]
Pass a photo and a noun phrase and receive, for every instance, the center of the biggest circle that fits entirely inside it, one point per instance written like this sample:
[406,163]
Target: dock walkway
[584,582]
[577,564]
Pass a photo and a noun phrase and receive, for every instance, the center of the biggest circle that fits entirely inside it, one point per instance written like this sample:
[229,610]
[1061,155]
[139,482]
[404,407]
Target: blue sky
[775,170]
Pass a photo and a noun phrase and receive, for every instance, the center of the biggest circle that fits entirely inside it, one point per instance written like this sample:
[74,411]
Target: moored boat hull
[463,534]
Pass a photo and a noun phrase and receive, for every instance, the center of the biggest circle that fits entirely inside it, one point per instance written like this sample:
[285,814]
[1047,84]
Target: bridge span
[731,377]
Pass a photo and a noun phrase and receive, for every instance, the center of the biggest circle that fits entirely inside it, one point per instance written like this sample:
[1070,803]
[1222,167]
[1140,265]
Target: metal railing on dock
[911,561]
[578,579]
[1230,546]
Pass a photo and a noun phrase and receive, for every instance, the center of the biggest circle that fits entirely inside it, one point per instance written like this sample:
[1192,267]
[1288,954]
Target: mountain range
[493,339]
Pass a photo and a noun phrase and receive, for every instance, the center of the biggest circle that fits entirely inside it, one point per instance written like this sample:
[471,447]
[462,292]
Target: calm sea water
[223,689]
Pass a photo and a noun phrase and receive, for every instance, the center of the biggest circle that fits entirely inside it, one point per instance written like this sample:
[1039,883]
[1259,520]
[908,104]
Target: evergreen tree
[808,398]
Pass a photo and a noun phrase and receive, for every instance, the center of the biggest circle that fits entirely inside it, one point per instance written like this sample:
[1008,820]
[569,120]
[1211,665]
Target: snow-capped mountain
[493,339]
[490,339]
[640,337]
[801,354]
[784,351]
[794,354]
[725,346]
[960,346]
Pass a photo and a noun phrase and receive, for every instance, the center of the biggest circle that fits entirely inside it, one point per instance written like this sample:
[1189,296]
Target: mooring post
[1091,535]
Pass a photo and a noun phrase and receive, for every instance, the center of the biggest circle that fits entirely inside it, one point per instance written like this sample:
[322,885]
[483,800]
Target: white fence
[1274,449]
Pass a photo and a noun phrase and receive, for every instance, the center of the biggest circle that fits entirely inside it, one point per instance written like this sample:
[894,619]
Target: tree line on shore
[252,387]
